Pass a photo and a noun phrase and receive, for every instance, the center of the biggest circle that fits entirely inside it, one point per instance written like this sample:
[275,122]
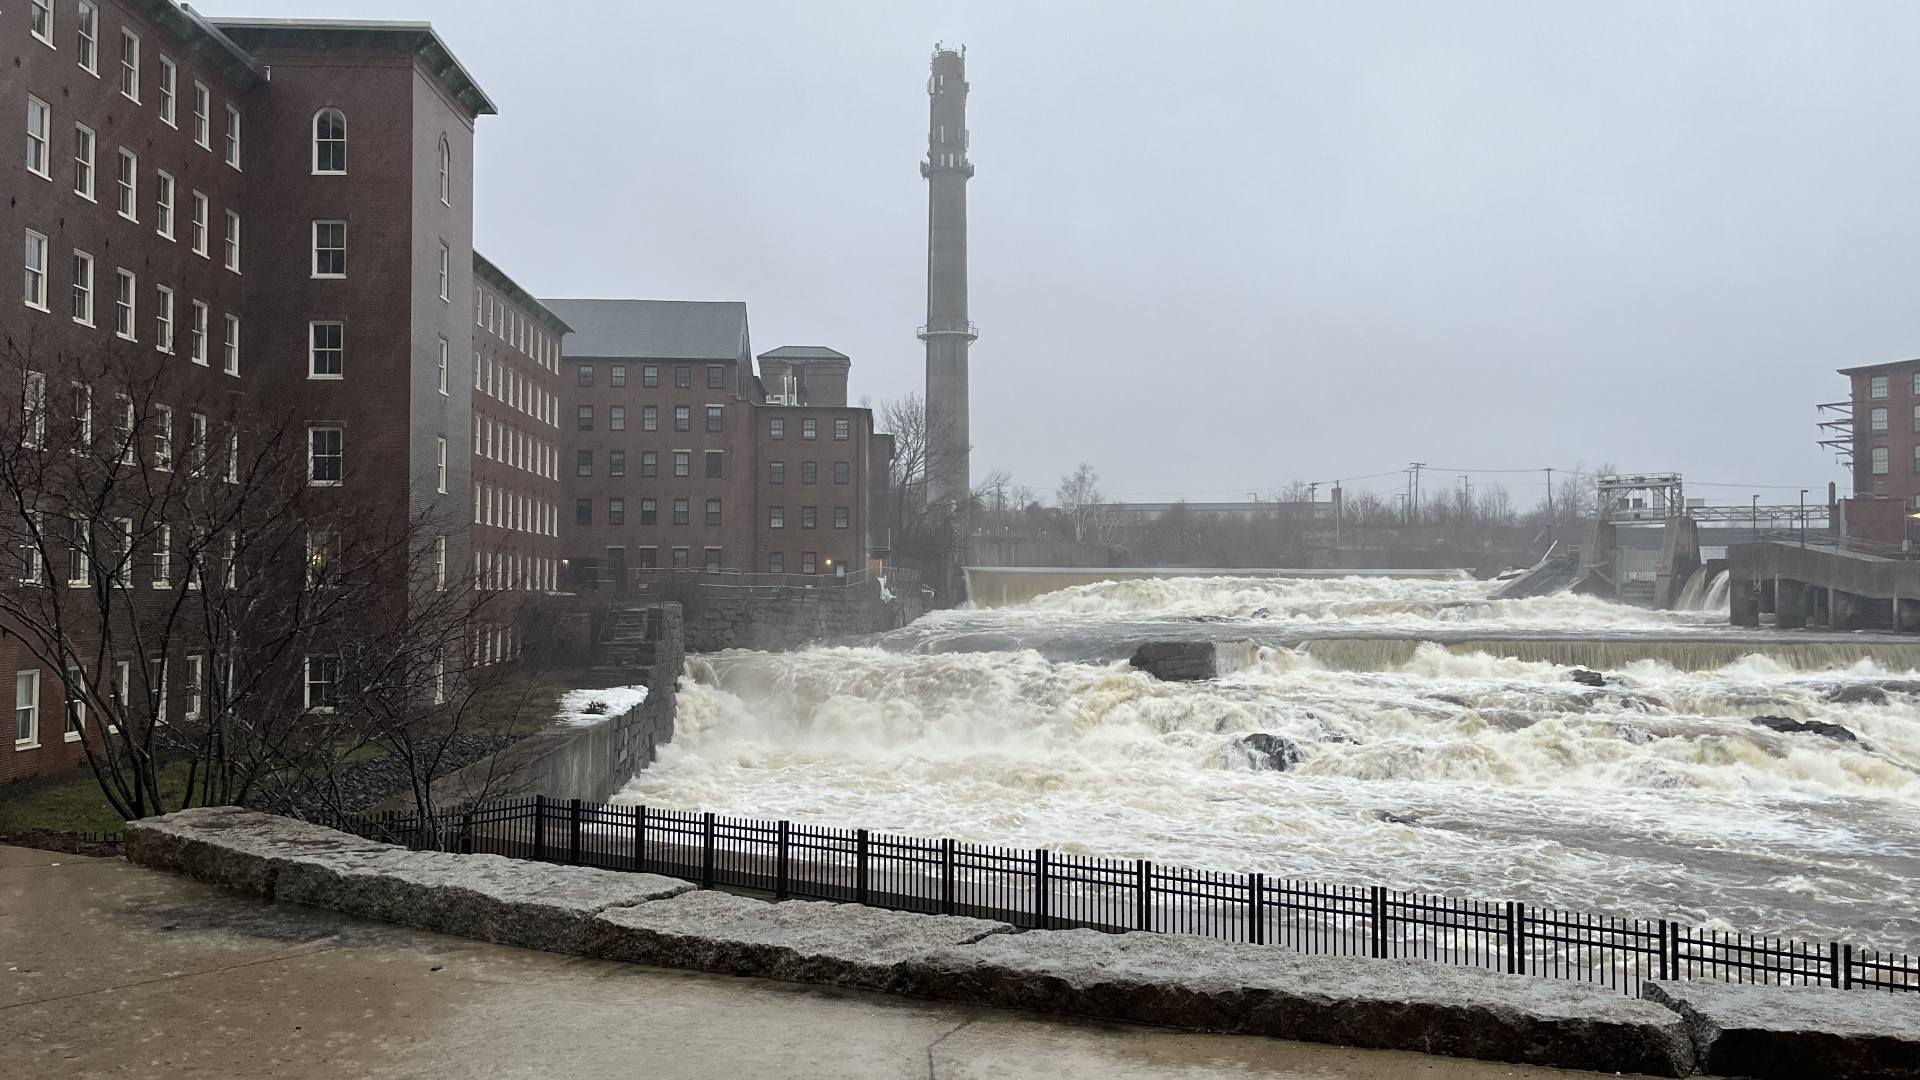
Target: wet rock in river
[1587,678]
[1271,752]
[1858,694]
[1787,725]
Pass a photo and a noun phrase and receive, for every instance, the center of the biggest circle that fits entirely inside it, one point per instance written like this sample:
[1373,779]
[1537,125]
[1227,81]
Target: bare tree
[1079,499]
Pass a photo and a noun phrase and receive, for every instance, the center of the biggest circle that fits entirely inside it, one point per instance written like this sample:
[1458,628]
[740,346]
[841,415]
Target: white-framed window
[87,37]
[40,14]
[326,349]
[79,553]
[123,325]
[441,372]
[233,136]
[446,273]
[233,241]
[84,147]
[163,319]
[233,477]
[76,701]
[129,452]
[440,469]
[1877,386]
[32,566]
[163,204]
[83,288]
[202,116]
[323,682]
[163,438]
[82,416]
[1877,421]
[1878,461]
[197,443]
[197,333]
[326,456]
[440,564]
[157,688]
[329,249]
[169,76]
[26,709]
[323,549]
[446,172]
[130,65]
[122,685]
[34,291]
[33,411]
[329,141]
[129,184]
[39,130]
[163,557]
[196,675]
[199,236]
[123,564]
[230,349]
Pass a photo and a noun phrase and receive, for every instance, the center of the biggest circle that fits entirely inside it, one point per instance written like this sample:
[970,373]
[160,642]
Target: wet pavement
[108,969]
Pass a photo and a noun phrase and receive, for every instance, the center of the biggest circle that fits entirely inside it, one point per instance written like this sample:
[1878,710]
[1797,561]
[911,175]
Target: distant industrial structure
[947,332]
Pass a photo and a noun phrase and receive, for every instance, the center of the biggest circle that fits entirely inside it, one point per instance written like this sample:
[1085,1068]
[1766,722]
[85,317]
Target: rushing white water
[1482,776]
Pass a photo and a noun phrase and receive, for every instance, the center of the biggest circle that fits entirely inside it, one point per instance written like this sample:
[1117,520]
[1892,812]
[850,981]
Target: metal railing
[1049,890]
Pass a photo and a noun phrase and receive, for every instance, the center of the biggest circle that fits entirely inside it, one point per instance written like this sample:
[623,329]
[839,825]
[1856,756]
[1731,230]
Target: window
[446,273]
[649,376]
[713,511]
[39,130]
[841,429]
[197,333]
[162,556]
[123,306]
[1877,386]
[83,149]
[233,241]
[776,562]
[583,418]
[326,456]
[841,516]
[129,184]
[123,557]
[169,76]
[649,463]
[649,512]
[586,375]
[195,668]
[163,319]
[777,428]
[1916,458]
[163,205]
[809,472]
[583,463]
[649,558]
[649,418]
[807,429]
[683,376]
[617,375]
[31,564]
[681,460]
[715,417]
[682,418]
[199,225]
[440,473]
[1877,421]
[583,511]
[79,553]
[809,517]
[1879,461]
[26,709]
[1916,418]
[329,249]
[233,136]
[33,410]
[128,451]
[616,418]
[323,549]
[82,415]
[616,511]
[197,443]
[329,141]
[716,464]
[446,172]
[776,517]
[440,564]
[679,558]
[326,349]
[809,562]
[76,701]
[130,65]
[323,683]
[41,12]
[680,512]
[87,34]
[713,560]
[776,472]
[230,352]
[616,463]
[34,293]
[83,288]
[202,110]
[441,371]
[842,472]
[716,377]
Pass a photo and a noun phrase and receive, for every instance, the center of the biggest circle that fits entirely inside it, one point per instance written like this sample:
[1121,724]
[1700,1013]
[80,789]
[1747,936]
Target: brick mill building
[1883,438]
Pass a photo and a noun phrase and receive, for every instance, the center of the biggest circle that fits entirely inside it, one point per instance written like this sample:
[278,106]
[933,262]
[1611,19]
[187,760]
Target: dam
[1557,750]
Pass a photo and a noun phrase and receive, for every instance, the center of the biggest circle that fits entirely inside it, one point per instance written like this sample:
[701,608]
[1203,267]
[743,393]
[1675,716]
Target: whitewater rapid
[1460,772]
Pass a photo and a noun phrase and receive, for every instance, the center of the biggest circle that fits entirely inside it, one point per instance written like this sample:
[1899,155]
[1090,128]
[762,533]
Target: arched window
[446,172]
[329,141]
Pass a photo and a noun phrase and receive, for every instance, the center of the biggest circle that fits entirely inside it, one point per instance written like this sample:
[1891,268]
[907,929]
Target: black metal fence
[1042,889]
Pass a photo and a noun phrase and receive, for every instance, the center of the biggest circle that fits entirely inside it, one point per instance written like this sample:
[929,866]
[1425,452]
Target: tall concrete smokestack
[947,333]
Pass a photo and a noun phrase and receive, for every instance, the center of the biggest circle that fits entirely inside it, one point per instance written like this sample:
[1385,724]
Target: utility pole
[1552,518]
[1414,498]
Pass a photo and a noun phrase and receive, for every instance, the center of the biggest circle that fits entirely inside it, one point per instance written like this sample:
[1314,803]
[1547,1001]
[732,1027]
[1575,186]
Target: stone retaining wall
[780,620]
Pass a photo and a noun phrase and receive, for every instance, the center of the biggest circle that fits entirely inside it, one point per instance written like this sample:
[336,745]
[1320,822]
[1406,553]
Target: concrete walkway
[108,969]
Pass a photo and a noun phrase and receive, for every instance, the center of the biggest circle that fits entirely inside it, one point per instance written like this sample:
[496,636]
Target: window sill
[201,360]
[202,254]
[125,337]
[72,736]
[36,307]
[329,277]
[324,483]
[29,745]
[86,196]
[329,172]
[47,176]
[325,378]
[129,217]
[163,235]
[88,323]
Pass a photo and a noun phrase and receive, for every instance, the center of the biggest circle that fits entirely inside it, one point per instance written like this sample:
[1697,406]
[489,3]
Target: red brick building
[1885,443]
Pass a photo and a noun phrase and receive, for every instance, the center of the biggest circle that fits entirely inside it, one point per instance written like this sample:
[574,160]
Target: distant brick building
[1886,431]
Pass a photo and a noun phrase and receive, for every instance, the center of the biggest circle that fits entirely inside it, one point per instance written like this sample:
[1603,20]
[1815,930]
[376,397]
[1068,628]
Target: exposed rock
[1796,1031]
[1587,678]
[1209,985]
[226,845]
[1634,734]
[1396,819]
[1787,725]
[1270,752]
[800,941]
[1187,661]
[1858,694]
[1260,613]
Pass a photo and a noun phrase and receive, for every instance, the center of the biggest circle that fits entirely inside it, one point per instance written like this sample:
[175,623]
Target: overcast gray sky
[1220,246]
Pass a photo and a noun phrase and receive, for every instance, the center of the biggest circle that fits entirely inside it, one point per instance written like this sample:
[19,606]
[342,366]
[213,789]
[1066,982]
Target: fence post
[639,838]
[1673,948]
[946,876]
[706,853]
[573,833]
[1040,915]
[1846,967]
[1666,956]
[860,867]
[1256,924]
[1380,921]
[780,873]
[1143,893]
[539,828]
[1516,939]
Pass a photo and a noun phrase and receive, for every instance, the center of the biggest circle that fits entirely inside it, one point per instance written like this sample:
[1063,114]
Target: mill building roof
[655,329]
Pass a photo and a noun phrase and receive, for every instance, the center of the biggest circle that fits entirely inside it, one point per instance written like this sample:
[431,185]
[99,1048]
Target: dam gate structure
[1834,583]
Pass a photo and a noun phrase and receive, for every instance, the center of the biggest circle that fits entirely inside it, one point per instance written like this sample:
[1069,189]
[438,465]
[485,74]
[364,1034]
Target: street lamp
[1803,517]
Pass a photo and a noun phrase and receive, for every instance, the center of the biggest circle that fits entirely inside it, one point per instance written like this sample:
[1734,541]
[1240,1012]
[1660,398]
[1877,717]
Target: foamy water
[1496,778]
